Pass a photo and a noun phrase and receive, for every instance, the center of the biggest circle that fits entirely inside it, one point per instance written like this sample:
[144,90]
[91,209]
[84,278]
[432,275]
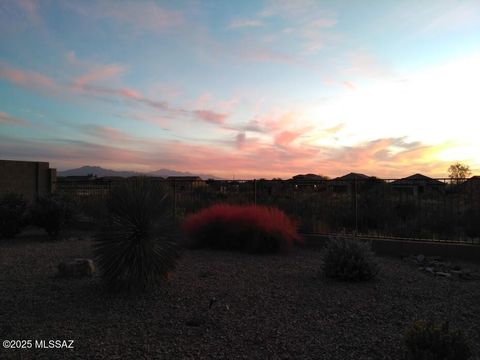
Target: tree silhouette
[458,172]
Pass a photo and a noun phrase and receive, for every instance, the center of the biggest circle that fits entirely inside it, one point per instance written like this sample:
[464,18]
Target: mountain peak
[102,172]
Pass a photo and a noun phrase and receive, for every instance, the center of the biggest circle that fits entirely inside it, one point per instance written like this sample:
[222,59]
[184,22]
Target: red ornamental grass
[254,229]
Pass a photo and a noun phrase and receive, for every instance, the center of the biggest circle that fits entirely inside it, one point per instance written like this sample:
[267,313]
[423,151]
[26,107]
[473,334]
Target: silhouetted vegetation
[429,341]
[253,229]
[417,206]
[136,247]
[12,214]
[459,172]
[349,259]
[52,213]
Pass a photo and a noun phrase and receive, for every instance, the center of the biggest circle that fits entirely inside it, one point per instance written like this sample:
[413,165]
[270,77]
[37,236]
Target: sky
[242,89]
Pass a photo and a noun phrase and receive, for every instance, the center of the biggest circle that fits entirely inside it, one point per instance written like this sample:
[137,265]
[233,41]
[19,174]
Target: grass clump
[428,341]
[348,259]
[136,248]
[252,229]
[12,214]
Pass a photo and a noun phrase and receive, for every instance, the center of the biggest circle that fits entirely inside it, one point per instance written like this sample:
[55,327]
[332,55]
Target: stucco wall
[29,178]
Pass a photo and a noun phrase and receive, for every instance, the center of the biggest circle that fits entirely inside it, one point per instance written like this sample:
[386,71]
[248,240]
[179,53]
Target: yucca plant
[136,247]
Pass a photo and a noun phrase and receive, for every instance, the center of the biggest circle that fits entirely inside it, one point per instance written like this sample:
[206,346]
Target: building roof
[417,179]
[185,178]
[353,176]
[309,177]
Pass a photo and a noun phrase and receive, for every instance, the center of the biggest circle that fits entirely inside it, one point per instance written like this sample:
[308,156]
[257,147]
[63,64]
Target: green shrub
[349,260]
[136,248]
[12,214]
[428,341]
[52,213]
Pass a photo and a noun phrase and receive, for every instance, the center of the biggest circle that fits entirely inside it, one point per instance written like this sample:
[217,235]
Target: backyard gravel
[221,305]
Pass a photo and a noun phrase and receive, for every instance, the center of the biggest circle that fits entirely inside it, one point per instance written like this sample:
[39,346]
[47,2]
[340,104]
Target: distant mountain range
[101,172]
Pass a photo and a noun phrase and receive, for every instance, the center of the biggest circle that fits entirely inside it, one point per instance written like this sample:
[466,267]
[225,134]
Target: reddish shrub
[254,229]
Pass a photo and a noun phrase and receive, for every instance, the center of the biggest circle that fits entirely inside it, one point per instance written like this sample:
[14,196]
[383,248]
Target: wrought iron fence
[433,209]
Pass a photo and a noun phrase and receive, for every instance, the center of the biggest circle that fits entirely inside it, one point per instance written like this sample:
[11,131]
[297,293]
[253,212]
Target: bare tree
[458,172]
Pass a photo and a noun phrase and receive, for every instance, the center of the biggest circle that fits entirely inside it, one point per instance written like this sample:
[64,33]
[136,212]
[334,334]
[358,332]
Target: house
[310,182]
[186,182]
[347,183]
[29,178]
[468,192]
[417,184]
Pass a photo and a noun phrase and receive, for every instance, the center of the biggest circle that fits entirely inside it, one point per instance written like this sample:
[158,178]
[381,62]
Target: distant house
[417,184]
[309,182]
[347,183]
[469,189]
[29,178]
[77,178]
[186,182]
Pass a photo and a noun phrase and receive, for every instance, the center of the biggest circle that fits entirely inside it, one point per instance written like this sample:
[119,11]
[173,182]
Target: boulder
[77,268]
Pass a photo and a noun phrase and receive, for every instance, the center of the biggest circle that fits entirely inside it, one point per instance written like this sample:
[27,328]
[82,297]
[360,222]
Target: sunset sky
[242,89]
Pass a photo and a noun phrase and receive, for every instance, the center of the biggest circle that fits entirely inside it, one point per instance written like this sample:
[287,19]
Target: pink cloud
[106,133]
[11,120]
[28,79]
[98,74]
[210,116]
[252,159]
[285,138]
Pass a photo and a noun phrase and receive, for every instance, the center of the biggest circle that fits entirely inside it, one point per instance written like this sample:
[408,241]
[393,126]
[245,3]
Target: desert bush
[52,213]
[349,260]
[136,247]
[249,228]
[12,214]
[428,341]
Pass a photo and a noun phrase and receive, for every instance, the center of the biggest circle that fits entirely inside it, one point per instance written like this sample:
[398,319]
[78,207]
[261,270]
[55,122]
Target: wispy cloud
[210,116]
[12,120]
[143,15]
[245,23]
[100,73]
[27,79]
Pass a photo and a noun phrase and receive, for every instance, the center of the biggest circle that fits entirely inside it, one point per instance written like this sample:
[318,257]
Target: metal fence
[433,209]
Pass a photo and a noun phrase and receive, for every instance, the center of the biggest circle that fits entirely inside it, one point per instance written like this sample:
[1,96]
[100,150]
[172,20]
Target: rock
[420,258]
[429,269]
[444,274]
[77,268]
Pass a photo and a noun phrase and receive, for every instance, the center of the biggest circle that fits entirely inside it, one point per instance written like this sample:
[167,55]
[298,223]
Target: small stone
[429,269]
[77,268]
[420,258]
[443,274]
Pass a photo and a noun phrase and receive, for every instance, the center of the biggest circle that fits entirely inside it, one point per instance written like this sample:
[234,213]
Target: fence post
[174,200]
[255,191]
[356,208]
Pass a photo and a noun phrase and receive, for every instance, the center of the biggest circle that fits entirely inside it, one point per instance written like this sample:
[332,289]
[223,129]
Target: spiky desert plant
[136,248]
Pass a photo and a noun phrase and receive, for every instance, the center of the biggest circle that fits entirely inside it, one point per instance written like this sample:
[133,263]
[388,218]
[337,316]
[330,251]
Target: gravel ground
[220,305]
